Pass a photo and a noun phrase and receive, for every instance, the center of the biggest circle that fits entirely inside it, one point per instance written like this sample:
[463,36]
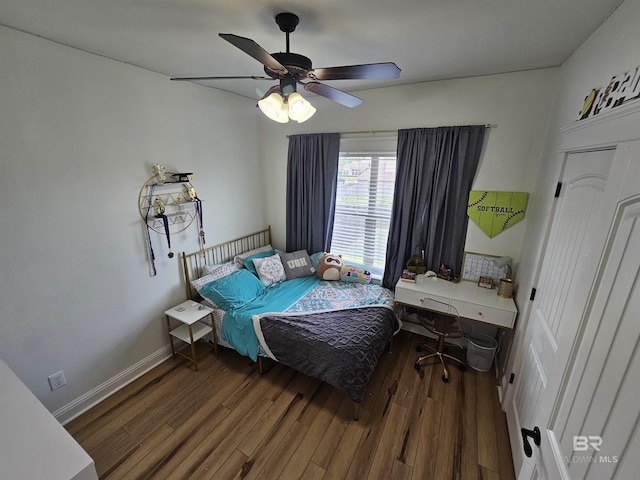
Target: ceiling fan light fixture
[300,109]
[273,107]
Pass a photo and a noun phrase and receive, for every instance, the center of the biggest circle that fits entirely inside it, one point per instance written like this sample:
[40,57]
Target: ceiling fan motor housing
[297,65]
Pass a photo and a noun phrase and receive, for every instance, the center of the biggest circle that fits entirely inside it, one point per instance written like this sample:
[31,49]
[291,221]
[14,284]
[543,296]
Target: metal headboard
[224,252]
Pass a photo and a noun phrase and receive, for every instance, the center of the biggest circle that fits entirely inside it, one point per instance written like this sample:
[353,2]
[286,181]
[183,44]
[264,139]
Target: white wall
[516,104]
[79,134]
[610,50]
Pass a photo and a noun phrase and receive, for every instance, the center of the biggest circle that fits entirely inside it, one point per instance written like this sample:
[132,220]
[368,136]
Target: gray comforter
[340,347]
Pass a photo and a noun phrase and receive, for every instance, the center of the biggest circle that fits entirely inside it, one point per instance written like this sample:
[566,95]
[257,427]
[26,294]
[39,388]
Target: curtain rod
[376,132]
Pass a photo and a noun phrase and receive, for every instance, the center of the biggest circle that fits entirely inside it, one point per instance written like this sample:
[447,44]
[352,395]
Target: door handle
[534,434]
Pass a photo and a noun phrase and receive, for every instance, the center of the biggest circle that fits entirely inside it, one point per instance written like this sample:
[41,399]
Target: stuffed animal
[329,267]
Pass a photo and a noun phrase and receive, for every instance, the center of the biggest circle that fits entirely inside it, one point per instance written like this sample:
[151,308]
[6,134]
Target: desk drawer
[422,300]
[481,313]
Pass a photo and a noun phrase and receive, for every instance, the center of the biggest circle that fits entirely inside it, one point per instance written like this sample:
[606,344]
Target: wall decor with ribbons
[168,204]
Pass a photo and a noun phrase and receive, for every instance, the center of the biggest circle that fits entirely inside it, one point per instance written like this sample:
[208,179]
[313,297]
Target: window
[364,199]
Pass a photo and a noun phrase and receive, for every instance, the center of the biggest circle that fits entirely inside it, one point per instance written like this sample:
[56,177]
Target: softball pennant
[494,212]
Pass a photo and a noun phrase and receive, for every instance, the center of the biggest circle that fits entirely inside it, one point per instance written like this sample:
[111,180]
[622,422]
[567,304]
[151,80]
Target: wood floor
[226,421]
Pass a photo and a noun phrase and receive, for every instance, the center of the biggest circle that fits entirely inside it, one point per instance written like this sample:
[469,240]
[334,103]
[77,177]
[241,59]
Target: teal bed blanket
[237,327]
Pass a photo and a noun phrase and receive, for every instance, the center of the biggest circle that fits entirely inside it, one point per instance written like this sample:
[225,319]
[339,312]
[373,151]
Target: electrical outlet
[57,380]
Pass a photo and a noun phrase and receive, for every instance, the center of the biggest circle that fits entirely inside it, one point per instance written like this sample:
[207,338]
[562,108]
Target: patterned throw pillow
[349,273]
[215,272]
[220,269]
[270,269]
[248,262]
[240,258]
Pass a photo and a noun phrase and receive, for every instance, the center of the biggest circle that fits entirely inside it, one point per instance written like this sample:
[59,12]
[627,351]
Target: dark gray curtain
[434,173]
[312,177]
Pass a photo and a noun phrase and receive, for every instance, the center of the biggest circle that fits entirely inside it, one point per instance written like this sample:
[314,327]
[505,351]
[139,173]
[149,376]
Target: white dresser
[33,444]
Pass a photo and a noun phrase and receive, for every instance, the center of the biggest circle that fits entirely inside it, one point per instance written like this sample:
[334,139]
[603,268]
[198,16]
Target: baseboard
[83,403]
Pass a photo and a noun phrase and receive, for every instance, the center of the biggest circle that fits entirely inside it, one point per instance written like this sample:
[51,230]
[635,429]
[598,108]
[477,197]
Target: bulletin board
[476,265]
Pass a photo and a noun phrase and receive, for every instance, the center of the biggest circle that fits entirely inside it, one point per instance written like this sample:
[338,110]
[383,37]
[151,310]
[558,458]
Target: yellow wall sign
[494,212]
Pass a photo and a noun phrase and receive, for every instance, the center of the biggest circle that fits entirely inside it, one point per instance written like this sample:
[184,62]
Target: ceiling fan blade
[250,47]
[252,77]
[370,71]
[338,96]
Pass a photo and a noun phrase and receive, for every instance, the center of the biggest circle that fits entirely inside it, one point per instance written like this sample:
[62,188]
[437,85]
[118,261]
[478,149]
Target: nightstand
[190,315]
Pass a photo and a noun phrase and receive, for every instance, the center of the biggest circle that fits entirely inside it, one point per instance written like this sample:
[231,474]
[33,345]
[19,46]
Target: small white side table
[190,314]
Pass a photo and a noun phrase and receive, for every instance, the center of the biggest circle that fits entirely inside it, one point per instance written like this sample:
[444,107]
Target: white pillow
[270,269]
[220,270]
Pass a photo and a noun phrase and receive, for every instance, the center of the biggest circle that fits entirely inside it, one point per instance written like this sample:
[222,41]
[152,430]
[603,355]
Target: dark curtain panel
[434,173]
[312,176]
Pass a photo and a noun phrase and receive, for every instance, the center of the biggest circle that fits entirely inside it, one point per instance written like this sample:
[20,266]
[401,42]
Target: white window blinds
[363,208]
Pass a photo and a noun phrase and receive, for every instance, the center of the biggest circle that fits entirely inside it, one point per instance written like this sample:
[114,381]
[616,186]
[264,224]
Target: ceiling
[428,39]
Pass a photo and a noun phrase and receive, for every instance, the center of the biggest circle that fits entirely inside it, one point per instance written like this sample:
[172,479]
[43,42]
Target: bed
[335,331]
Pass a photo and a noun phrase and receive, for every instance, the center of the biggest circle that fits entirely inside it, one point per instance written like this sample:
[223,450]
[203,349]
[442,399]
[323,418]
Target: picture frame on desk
[485,282]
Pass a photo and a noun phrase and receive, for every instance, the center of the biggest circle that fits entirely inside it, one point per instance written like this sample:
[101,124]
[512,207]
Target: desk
[465,299]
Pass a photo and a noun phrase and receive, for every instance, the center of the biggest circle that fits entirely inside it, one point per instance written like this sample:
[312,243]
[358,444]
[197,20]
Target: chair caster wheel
[416,366]
[462,368]
[445,379]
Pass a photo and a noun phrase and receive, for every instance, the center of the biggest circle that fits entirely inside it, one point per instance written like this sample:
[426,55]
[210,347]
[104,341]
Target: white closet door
[581,372]
[576,216]
[596,413]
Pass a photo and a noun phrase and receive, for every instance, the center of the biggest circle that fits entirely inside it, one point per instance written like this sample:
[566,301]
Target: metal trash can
[481,349]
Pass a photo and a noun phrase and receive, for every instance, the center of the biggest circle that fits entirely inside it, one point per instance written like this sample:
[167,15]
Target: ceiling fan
[291,69]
